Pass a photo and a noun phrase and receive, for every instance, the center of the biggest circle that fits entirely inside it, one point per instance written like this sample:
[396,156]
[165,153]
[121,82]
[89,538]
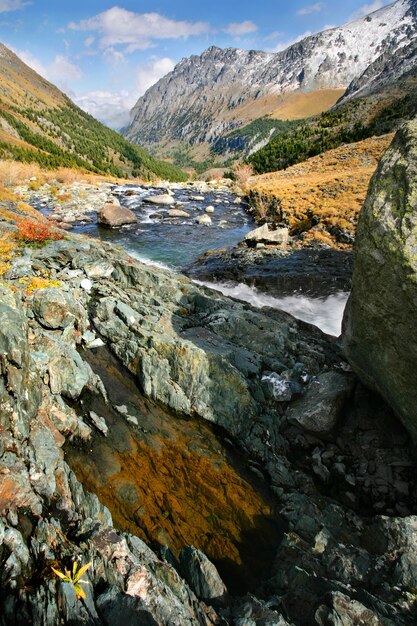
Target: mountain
[38,123]
[207,96]
[382,110]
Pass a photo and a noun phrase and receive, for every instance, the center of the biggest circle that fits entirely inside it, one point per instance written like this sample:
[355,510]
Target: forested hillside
[38,123]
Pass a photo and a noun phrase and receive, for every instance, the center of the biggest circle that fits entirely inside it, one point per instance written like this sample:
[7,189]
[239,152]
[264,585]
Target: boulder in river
[380,335]
[204,220]
[164,199]
[113,215]
[177,213]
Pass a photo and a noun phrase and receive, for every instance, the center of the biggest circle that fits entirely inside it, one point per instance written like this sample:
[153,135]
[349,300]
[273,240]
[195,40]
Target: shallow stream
[175,243]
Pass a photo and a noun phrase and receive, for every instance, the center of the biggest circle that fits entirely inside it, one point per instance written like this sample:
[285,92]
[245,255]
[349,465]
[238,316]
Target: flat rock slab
[164,199]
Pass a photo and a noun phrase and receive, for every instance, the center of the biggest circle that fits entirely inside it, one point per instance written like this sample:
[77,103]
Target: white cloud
[136,31]
[312,8]
[283,45]
[365,9]
[12,5]
[274,35]
[149,73]
[236,29]
[111,108]
[89,41]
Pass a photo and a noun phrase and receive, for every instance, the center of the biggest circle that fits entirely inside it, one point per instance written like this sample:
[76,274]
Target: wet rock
[164,199]
[320,408]
[264,235]
[204,220]
[278,271]
[202,575]
[177,213]
[378,338]
[113,215]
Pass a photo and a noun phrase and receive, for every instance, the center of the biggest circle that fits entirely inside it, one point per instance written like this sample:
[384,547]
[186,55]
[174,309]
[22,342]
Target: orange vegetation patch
[326,192]
[178,496]
[32,231]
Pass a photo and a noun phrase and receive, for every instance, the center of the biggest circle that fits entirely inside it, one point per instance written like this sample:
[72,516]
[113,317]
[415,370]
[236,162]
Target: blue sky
[106,54]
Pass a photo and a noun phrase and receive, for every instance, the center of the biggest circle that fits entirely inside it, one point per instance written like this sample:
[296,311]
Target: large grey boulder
[115,215]
[379,330]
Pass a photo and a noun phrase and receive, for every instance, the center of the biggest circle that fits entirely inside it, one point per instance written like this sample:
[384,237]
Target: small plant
[31,231]
[74,578]
[35,283]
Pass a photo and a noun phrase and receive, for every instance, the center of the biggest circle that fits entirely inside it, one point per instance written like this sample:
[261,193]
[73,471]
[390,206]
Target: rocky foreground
[340,465]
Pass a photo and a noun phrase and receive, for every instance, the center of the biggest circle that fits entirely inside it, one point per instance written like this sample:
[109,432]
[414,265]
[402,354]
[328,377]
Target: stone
[210,209]
[177,213]
[99,269]
[55,308]
[164,199]
[113,215]
[264,235]
[201,575]
[204,220]
[197,198]
[320,408]
[99,422]
[379,336]
[68,373]
[86,284]
[340,610]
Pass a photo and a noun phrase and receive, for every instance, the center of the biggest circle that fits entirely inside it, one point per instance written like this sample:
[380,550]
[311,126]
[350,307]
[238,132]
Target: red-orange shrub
[31,231]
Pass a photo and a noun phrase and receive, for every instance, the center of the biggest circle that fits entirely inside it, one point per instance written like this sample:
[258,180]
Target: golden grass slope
[324,195]
[298,105]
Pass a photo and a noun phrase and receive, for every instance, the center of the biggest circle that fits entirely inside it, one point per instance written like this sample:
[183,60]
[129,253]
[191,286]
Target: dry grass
[13,173]
[243,173]
[298,105]
[325,192]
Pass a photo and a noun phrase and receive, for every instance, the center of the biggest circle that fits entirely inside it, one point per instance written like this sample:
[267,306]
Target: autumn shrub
[34,283]
[242,172]
[31,231]
[6,247]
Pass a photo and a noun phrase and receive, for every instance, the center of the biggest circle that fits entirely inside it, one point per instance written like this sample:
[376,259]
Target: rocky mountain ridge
[208,95]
